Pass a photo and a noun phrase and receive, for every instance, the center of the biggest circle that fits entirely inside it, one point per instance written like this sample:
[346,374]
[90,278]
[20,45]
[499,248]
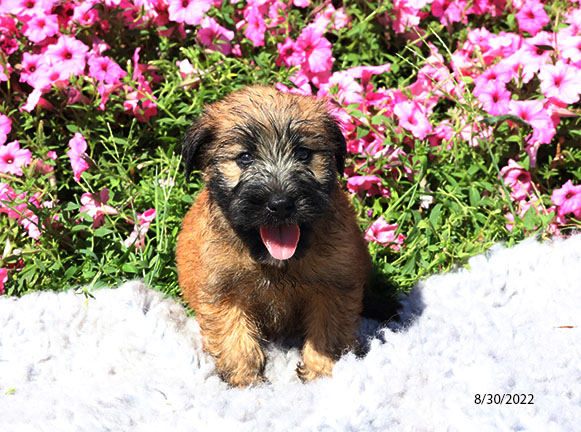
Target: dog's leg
[233,339]
[331,324]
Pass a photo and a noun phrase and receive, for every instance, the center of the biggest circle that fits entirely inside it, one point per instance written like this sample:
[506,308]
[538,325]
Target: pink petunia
[383,233]
[3,279]
[518,179]
[78,146]
[45,168]
[30,68]
[314,49]
[105,69]
[13,158]
[568,199]
[40,27]
[68,55]
[532,17]
[500,73]
[214,36]
[7,198]
[369,184]
[343,88]
[534,113]
[560,81]
[188,11]
[570,47]
[411,116]
[85,13]
[186,68]
[96,206]
[137,237]
[140,105]
[494,98]
[5,128]
[256,26]
[474,132]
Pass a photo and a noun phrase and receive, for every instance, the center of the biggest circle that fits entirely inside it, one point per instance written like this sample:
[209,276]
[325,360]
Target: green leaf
[474,196]
[130,268]
[102,231]
[435,215]
[505,117]
[545,47]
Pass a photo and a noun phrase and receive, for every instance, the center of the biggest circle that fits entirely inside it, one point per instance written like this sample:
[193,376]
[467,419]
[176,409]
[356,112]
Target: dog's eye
[304,154]
[244,159]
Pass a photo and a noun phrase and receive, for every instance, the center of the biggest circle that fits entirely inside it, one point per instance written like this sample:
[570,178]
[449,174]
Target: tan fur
[319,295]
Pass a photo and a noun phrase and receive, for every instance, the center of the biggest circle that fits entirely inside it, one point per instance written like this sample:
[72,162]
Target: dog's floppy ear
[194,145]
[338,138]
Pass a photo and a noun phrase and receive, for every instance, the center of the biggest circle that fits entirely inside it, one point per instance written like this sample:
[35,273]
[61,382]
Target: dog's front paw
[245,379]
[308,373]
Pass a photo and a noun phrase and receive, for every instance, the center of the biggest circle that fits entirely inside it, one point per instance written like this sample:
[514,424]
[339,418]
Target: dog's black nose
[280,206]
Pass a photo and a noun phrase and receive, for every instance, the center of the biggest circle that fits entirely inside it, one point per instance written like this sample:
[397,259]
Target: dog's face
[270,161]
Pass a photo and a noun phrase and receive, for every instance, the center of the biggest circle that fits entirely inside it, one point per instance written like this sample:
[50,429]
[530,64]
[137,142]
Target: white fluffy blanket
[130,360]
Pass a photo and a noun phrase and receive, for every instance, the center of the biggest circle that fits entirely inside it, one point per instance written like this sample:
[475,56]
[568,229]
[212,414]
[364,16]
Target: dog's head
[270,161]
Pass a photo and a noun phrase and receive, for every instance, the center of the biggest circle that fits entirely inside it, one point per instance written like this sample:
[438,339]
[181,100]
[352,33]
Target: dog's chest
[278,302]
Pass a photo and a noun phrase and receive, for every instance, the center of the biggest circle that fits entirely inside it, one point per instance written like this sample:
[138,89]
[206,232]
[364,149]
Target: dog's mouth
[281,241]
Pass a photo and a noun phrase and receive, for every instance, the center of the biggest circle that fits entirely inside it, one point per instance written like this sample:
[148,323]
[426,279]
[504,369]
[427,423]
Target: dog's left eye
[244,159]
[304,154]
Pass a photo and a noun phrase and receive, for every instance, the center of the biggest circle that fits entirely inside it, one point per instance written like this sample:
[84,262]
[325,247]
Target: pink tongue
[281,241]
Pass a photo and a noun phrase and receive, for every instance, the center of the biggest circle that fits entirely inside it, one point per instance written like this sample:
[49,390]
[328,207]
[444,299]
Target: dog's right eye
[244,159]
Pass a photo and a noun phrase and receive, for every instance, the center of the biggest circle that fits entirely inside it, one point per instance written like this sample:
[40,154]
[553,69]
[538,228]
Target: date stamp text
[504,399]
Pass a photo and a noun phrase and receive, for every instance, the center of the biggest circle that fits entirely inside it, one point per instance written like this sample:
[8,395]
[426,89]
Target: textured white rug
[130,360]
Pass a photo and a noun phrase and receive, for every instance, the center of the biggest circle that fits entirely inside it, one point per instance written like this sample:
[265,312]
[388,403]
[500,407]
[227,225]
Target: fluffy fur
[130,360]
[271,159]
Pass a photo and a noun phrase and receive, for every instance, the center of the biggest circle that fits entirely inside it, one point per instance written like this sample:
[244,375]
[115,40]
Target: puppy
[271,245]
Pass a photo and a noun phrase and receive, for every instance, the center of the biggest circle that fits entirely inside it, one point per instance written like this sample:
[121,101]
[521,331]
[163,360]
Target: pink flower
[105,69]
[343,87]
[474,132]
[383,233]
[570,47]
[494,98]
[335,17]
[534,113]
[141,106]
[85,13]
[532,17]
[560,81]
[78,146]
[500,73]
[411,116]
[67,55]
[214,36]
[5,128]
[368,184]
[97,207]
[40,27]
[45,168]
[517,179]
[256,26]
[314,49]
[568,199]
[188,11]
[13,158]
[30,68]
[30,222]
[137,237]
[186,68]
[3,279]
[24,8]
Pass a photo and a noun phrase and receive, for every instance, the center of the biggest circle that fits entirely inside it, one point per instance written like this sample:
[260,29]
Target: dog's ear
[195,144]
[338,138]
